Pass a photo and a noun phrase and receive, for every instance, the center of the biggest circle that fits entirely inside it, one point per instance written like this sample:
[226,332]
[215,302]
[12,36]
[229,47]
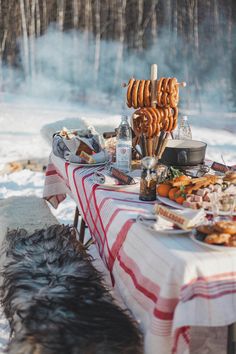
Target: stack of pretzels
[139,93]
[148,120]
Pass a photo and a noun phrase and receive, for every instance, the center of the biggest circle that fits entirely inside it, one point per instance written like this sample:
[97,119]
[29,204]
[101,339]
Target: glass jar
[148,180]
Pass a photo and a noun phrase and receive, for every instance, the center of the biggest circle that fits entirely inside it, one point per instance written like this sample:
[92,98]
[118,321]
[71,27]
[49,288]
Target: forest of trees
[196,35]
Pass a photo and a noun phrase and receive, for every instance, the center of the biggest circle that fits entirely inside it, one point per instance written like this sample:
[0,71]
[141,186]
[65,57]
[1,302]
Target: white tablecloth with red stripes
[168,282]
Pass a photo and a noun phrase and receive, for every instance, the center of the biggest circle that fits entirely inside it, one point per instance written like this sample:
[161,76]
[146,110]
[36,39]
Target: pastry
[217,239]
[228,227]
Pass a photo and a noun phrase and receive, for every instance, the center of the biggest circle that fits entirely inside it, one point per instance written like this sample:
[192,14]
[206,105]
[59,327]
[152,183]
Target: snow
[21,121]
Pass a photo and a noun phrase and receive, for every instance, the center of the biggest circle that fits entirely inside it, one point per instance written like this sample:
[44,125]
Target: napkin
[104,178]
[58,146]
[184,218]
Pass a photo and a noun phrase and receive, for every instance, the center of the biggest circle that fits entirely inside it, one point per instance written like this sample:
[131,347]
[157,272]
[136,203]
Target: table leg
[76,218]
[82,230]
[231,340]
[82,225]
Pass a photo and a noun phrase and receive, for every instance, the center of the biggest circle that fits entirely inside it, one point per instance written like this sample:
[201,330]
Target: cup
[222,206]
[227,205]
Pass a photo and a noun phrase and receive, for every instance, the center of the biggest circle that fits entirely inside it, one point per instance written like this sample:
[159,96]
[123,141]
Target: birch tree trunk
[38,19]
[121,17]
[139,40]
[60,14]
[195,27]
[77,63]
[45,16]
[154,21]
[32,39]
[97,39]
[25,38]
[76,9]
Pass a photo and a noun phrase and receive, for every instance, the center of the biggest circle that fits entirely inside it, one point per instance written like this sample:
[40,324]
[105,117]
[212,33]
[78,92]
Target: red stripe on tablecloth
[210,277]
[95,223]
[98,212]
[77,192]
[182,331]
[209,289]
[81,206]
[215,296]
[51,172]
[89,210]
[66,169]
[116,190]
[106,199]
[141,288]
[116,212]
[154,288]
[120,238]
[163,315]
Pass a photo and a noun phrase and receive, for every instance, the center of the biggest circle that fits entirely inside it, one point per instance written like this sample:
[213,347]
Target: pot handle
[182,157]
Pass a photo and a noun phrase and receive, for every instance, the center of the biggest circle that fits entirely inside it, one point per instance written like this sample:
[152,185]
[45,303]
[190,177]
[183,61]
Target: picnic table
[169,282]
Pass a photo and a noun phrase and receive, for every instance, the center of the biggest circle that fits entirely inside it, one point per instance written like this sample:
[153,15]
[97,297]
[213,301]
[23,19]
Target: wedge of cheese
[184,218]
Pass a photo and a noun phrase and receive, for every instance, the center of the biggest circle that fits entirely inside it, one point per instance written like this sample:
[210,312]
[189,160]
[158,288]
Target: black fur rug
[55,300]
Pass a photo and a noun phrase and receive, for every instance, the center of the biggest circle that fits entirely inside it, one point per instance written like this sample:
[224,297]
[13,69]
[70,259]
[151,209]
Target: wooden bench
[28,212]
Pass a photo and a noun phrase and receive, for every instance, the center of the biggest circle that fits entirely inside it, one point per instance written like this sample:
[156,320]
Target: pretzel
[171,120]
[141,93]
[135,94]
[129,92]
[136,123]
[155,121]
[148,120]
[167,92]
[164,99]
[172,84]
[174,98]
[147,93]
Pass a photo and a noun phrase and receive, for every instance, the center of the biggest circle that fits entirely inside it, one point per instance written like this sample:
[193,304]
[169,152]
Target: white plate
[164,227]
[88,164]
[171,203]
[196,237]
[175,205]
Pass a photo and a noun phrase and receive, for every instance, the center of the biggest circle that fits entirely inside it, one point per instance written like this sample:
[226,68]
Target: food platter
[198,238]
[175,205]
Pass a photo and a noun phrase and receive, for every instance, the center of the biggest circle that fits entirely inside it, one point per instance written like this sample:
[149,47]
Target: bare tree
[121,21]
[97,38]
[25,37]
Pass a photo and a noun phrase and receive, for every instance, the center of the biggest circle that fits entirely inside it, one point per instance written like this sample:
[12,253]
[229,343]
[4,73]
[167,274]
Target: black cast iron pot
[184,153]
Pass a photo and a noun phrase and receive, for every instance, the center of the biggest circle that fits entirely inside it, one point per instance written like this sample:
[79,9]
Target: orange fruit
[180,199]
[172,193]
[163,189]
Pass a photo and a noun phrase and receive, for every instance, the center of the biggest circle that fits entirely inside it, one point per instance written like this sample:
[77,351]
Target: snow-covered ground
[21,121]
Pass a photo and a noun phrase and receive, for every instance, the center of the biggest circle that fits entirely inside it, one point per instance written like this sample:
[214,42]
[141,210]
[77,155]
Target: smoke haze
[72,67]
